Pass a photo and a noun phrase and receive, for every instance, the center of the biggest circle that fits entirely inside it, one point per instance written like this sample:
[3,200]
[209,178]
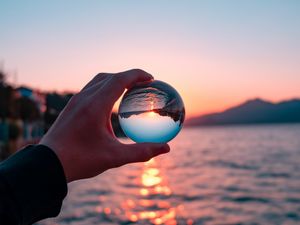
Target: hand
[82,136]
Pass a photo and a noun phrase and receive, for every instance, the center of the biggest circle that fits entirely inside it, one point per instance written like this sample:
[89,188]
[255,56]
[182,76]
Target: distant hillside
[252,112]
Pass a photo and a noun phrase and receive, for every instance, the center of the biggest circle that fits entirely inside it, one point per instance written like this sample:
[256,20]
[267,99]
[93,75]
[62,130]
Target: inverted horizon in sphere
[152,112]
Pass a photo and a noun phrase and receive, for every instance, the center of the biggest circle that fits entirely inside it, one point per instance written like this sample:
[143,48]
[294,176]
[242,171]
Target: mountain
[252,112]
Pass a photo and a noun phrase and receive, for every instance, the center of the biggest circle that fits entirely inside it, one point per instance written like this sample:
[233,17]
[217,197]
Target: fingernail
[151,76]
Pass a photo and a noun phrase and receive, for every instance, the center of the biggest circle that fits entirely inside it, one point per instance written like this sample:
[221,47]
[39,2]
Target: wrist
[60,155]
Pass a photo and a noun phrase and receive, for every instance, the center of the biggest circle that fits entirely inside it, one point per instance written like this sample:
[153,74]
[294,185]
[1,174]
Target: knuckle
[99,75]
[118,79]
[136,70]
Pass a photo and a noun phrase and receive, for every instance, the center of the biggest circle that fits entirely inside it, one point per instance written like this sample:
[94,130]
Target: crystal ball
[151,112]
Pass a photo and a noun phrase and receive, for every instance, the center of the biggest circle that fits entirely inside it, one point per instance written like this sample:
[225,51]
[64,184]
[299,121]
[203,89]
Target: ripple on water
[212,176]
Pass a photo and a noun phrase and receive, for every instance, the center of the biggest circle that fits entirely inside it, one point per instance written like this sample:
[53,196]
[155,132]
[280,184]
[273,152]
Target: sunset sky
[215,53]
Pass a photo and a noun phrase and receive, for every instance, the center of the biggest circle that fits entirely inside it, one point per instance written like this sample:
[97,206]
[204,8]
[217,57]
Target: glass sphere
[151,112]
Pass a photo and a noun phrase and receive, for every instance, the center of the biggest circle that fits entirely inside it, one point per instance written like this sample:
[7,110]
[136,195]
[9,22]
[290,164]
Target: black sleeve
[32,186]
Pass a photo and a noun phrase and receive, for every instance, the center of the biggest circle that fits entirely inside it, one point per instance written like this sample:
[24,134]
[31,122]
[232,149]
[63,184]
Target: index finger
[120,81]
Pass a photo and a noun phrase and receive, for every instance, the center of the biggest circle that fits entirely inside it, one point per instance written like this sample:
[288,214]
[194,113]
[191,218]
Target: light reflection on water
[222,175]
[151,201]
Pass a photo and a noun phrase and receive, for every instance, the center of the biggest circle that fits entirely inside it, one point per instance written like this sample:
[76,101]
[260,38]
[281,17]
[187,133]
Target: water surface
[215,175]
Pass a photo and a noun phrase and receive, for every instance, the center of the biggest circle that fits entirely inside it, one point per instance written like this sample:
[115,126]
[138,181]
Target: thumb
[142,152]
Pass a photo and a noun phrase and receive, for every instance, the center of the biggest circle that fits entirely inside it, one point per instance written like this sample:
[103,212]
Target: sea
[223,175]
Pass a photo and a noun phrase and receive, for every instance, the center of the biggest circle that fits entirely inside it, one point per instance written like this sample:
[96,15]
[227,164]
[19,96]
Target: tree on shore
[6,97]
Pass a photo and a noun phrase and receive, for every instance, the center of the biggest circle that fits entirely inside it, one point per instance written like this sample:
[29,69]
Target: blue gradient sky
[216,53]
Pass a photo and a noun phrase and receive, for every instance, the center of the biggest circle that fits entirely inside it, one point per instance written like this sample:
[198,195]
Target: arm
[32,186]
[80,144]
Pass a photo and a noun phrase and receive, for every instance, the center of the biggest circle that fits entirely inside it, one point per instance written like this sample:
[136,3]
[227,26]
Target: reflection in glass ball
[151,112]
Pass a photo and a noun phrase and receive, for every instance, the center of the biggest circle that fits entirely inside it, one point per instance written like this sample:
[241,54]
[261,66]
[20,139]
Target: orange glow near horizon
[151,113]
[212,59]
[151,105]
[203,90]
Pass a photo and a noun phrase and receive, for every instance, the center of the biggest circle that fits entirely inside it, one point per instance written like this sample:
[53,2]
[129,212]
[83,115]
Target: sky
[215,53]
